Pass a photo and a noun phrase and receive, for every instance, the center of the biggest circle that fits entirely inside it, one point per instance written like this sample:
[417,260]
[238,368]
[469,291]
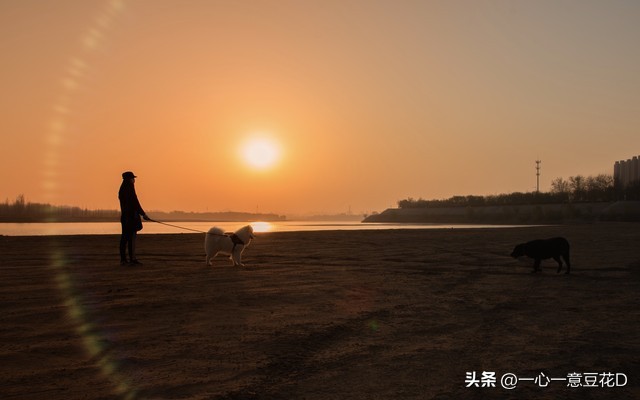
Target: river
[112,228]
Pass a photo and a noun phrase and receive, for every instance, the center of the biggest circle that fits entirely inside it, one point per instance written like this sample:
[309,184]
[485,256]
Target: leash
[182,227]
[236,240]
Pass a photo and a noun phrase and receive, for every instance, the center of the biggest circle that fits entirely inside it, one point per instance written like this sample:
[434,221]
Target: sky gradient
[369,102]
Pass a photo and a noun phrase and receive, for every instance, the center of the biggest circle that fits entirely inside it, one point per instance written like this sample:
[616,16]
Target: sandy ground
[402,314]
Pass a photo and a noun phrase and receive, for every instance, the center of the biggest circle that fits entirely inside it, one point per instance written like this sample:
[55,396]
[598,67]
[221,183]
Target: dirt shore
[395,314]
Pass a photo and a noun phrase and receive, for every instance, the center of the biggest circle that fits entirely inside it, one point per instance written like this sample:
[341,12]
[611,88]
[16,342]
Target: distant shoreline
[623,211]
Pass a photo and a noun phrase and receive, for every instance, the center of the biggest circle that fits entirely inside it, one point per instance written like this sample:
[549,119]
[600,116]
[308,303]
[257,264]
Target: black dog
[542,249]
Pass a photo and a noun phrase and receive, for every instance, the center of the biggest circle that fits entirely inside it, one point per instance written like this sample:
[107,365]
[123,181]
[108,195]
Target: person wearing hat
[131,210]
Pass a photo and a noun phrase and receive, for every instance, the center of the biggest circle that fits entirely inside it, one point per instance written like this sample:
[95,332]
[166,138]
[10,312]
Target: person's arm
[139,208]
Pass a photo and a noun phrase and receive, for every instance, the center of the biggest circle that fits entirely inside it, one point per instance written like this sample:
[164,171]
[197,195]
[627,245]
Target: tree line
[23,211]
[576,189]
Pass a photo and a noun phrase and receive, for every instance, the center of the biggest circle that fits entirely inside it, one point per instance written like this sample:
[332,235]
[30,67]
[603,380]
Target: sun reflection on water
[262,226]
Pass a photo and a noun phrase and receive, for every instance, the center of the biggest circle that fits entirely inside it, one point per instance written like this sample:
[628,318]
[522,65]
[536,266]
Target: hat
[128,175]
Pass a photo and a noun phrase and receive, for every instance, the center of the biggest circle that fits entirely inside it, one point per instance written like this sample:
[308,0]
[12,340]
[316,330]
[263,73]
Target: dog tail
[215,231]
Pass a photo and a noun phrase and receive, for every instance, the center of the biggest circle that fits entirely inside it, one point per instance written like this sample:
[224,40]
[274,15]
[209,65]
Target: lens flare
[92,339]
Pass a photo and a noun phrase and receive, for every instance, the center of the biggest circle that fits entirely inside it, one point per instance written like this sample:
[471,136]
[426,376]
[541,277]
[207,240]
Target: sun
[260,153]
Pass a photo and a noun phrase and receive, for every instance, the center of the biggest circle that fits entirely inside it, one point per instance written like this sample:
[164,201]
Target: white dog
[232,244]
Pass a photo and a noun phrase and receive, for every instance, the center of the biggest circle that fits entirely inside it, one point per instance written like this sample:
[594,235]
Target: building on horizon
[626,172]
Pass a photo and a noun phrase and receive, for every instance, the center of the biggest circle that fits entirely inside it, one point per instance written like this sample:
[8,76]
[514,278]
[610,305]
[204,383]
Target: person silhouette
[131,210]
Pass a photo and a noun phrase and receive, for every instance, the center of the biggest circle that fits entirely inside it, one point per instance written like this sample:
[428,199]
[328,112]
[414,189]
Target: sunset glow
[311,107]
[260,153]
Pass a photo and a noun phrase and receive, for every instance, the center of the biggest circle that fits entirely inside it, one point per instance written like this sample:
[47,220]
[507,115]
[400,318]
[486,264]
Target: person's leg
[132,248]
[123,247]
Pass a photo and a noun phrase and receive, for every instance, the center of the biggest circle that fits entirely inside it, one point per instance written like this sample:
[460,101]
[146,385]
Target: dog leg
[240,258]
[235,258]
[536,266]
[559,261]
[566,260]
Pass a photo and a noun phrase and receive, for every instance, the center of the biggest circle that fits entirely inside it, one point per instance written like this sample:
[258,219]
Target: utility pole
[538,176]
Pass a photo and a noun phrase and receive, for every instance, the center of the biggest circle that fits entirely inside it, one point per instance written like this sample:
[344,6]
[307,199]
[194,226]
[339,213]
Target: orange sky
[369,101]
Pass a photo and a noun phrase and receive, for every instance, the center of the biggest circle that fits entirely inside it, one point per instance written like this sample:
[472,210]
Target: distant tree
[578,187]
[19,201]
[560,186]
[561,190]
[600,188]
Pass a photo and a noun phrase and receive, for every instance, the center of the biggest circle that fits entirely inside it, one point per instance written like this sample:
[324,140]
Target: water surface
[111,228]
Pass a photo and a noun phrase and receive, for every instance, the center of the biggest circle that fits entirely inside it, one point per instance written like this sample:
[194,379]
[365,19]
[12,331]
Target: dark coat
[130,207]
